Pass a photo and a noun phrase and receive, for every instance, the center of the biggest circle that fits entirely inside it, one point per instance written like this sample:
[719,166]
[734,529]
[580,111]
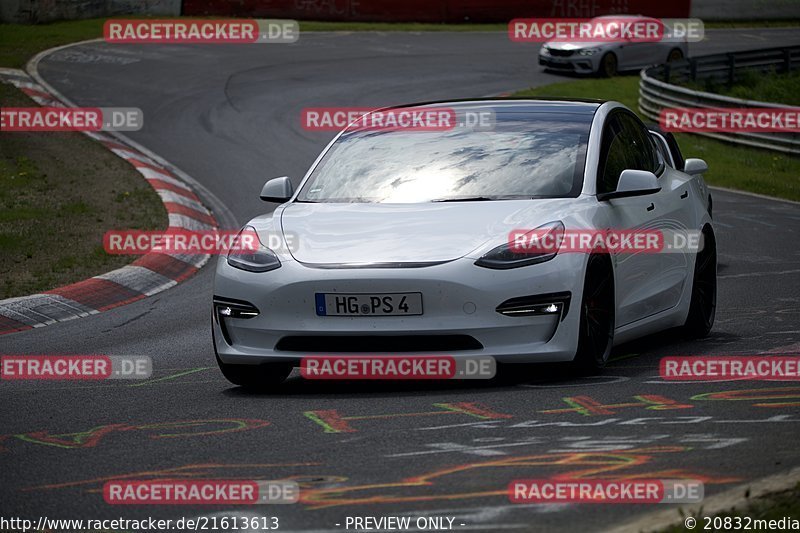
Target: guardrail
[657,89]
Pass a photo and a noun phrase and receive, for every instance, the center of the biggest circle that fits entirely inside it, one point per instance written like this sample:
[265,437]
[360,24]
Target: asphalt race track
[229,116]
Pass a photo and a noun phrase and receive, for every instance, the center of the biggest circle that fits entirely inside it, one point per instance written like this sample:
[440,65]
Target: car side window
[662,147]
[614,157]
[625,145]
[643,149]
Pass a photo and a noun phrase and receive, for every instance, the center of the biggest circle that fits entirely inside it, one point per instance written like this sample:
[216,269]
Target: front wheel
[596,331]
[608,65]
[703,306]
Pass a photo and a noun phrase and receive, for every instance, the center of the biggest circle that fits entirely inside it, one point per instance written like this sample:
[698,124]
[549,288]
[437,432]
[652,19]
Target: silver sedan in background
[607,58]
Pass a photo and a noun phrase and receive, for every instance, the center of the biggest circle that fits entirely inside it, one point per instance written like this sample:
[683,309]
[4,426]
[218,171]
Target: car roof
[516,105]
[621,17]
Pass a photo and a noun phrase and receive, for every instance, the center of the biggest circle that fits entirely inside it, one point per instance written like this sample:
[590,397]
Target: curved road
[229,117]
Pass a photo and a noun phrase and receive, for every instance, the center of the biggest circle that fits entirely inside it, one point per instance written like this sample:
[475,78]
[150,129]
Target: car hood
[359,233]
[562,45]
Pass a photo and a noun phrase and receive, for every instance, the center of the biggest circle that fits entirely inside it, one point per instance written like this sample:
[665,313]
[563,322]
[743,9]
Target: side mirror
[277,190]
[693,166]
[633,183]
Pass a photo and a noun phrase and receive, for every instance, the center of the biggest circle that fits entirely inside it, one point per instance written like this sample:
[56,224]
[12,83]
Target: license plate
[392,304]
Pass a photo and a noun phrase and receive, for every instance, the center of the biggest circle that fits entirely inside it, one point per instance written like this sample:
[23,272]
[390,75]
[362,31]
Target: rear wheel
[596,332]
[674,55]
[703,306]
[608,65]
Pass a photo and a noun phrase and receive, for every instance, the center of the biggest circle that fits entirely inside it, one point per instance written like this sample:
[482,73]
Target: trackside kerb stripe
[148,275]
[166,265]
[179,209]
[152,174]
[169,196]
[161,185]
[40,94]
[137,163]
[96,293]
[8,325]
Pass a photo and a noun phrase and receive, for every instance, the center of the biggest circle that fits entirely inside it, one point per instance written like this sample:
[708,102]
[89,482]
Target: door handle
[651,206]
[684,195]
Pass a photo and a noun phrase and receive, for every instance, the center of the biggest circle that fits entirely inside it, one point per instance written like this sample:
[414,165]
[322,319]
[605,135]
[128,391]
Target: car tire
[596,330]
[608,65]
[676,54]
[703,305]
[256,377]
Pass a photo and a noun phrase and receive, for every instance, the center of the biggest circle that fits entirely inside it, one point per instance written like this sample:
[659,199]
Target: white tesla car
[397,243]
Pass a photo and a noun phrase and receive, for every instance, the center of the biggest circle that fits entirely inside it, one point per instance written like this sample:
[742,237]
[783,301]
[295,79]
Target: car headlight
[588,51]
[505,256]
[255,258]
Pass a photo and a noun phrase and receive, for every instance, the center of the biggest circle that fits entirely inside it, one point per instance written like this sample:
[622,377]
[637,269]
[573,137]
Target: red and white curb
[148,275]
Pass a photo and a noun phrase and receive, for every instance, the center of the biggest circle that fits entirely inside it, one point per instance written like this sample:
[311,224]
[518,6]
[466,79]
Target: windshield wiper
[483,198]
[465,199]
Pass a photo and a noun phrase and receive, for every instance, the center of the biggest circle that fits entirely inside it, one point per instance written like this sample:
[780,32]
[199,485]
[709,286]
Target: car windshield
[532,155]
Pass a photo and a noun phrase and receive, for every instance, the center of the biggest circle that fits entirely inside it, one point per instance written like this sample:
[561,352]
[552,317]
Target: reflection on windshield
[526,159]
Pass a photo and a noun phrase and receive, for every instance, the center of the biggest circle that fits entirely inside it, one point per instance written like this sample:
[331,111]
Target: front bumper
[574,63]
[459,301]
